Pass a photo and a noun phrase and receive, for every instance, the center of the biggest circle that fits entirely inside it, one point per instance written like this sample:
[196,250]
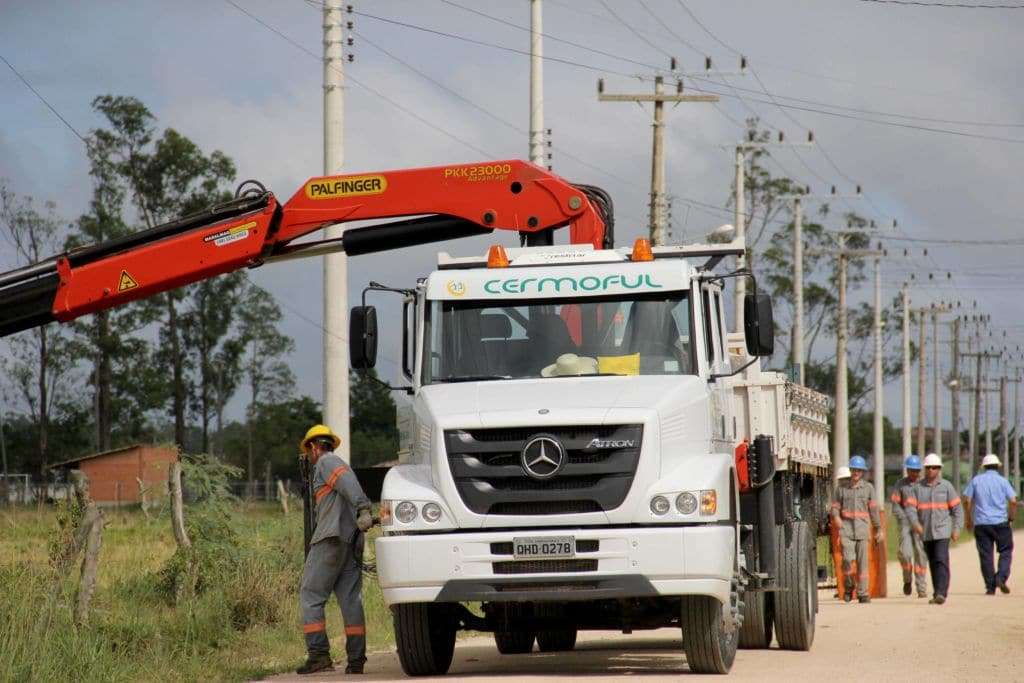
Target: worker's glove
[364,520]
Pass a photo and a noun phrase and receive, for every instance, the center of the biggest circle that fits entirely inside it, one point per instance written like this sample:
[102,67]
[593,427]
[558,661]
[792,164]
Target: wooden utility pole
[659,98]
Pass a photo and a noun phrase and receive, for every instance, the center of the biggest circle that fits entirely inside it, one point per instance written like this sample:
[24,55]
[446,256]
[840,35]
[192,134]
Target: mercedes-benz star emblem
[543,457]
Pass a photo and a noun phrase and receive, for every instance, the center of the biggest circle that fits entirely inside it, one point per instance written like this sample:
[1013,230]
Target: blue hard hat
[913,462]
[857,462]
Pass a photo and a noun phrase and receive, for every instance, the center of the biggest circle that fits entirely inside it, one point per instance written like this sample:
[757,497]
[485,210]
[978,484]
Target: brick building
[114,475]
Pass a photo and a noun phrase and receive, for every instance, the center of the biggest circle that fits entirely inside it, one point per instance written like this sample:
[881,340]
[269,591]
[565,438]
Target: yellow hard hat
[319,430]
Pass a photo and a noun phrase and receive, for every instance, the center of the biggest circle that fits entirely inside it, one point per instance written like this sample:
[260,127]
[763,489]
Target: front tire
[795,603]
[709,640]
[556,641]
[425,638]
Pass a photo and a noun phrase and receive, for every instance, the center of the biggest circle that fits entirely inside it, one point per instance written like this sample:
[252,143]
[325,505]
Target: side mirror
[759,324]
[362,337]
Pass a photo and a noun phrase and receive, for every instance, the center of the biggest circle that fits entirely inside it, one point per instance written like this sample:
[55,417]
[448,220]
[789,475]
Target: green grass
[248,627]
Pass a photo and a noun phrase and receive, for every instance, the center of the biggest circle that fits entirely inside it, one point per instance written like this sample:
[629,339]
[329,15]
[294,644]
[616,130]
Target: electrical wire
[956,5]
[45,101]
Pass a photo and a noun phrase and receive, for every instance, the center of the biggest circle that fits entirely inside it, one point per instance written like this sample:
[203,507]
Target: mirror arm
[737,371]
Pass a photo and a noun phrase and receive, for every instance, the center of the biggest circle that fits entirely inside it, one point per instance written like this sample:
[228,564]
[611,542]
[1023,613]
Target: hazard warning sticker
[239,232]
[126,282]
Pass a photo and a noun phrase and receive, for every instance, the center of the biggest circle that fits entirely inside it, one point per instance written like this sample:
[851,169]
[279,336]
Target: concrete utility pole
[1004,441]
[988,431]
[335,337]
[1016,434]
[841,428]
[536,85]
[740,223]
[798,264]
[879,436]
[905,294]
[920,381]
[935,311]
[978,388]
[659,98]
[954,400]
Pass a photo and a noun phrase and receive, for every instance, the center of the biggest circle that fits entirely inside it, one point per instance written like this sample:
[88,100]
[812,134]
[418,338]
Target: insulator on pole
[679,87]
[600,85]
[672,62]
[743,63]
[782,136]
[810,136]
[707,63]
[833,189]
[858,190]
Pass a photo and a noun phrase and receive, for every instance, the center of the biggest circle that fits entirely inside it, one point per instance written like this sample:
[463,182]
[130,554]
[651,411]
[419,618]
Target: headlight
[708,502]
[659,505]
[686,503]
[431,512]
[405,512]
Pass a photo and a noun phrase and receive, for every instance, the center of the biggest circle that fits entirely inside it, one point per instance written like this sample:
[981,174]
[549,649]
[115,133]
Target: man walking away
[993,502]
[937,518]
[912,556]
[334,563]
[853,504]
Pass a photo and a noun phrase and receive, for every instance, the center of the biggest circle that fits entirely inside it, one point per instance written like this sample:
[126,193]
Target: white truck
[590,449]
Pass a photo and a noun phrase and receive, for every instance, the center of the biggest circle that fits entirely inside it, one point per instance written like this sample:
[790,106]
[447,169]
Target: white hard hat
[843,472]
[932,460]
[990,459]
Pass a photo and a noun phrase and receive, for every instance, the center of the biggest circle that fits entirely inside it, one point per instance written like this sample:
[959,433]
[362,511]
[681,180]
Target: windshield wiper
[471,378]
[589,374]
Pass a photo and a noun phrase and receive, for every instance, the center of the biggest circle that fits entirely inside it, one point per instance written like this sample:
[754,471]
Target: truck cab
[572,455]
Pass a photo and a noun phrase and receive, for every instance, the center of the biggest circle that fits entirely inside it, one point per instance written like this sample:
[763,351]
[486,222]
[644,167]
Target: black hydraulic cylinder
[408,233]
[766,546]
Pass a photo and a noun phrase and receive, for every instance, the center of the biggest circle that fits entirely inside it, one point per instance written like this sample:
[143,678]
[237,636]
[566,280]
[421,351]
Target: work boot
[937,600]
[864,599]
[355,667]
[1003,587]
[922,594]
[906,588]
[847,596]
[318,661]
[990,592]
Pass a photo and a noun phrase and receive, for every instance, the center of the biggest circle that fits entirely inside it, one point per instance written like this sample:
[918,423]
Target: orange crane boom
[447,201]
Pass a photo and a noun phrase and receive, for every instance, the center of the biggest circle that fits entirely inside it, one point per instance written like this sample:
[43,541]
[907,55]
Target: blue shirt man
[991,505]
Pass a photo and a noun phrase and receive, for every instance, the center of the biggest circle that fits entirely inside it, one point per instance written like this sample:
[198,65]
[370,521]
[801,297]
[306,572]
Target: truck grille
[545,566]
[490,478]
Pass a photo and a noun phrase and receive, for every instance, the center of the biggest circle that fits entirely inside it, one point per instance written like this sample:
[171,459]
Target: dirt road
[971,637]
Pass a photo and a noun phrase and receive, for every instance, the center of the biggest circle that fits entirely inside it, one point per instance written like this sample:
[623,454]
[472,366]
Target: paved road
[971,637]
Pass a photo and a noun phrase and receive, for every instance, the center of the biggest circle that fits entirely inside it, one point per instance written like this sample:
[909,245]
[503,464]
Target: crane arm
[446,201]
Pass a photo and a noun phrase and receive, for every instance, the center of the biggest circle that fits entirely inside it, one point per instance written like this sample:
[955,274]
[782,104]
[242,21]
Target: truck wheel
[756,632]
[708,640]
[798,581]
[514,642]
[425,638]
[556,641]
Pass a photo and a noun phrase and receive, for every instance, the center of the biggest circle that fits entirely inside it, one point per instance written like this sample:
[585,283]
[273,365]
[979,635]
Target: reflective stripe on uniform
[942,505]
[872,504]
[355,630]
[853,514]
[315,627]
[329,484]
[910,501]
[895,497]
[920,570]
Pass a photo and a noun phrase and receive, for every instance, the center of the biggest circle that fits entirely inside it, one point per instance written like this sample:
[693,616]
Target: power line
[45,101]
[957,5]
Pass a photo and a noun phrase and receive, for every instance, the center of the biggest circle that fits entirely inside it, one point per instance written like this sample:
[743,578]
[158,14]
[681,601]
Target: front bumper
[630,562]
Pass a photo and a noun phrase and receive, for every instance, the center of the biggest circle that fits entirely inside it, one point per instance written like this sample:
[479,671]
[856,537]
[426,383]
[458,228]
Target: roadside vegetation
[242,622]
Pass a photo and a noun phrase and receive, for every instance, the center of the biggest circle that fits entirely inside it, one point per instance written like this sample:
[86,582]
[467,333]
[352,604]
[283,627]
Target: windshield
[511,339]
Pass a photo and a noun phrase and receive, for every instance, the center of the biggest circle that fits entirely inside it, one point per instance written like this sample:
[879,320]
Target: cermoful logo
[589,283]
[609,444]
[346,186]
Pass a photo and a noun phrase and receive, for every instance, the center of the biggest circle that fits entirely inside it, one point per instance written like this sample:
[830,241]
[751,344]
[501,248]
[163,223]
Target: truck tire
[756,632]
[514,642]
[556,641]
[794,603]
[425,638]
[709,645]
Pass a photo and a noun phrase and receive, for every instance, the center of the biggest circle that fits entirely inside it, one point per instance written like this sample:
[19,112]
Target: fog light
[708,502]
[431,512]
[385,513]
[659,505]
[405,512]
[686,503]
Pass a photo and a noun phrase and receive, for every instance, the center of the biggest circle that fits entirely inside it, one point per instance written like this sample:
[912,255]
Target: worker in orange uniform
[334,563]
[853,504]
[912,555]
[937,518]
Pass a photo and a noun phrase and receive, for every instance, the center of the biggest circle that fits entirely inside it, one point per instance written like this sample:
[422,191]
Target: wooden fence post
[187,588]
[90,566]
[282,495]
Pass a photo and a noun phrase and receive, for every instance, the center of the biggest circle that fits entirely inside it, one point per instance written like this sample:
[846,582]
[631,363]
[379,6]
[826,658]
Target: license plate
[547,547]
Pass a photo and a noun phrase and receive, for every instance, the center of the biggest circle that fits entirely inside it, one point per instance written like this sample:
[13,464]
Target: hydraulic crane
[436,203]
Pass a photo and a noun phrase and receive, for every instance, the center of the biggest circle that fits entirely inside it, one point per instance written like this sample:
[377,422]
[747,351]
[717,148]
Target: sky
[230,83]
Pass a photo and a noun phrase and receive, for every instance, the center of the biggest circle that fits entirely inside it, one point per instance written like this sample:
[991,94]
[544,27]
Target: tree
[270,379]
[165,178]
[372,417]
[41,363]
